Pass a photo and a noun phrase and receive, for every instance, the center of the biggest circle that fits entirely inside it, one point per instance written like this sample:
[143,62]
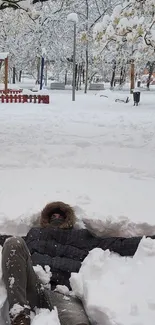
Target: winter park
[77,162]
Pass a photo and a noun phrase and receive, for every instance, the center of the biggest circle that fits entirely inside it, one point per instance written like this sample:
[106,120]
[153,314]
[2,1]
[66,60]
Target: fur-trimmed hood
[61,207]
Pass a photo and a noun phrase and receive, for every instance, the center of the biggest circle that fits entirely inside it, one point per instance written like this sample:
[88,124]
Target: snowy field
[98,156]
[95,154]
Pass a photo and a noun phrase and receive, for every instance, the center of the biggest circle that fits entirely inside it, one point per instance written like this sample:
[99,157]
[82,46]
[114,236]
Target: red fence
[19,98]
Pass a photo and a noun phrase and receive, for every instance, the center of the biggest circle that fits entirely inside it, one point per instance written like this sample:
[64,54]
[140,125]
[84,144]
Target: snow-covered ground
[94,154]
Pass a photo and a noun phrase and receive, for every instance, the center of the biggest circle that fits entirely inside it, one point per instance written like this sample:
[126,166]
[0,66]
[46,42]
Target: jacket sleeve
[121,246]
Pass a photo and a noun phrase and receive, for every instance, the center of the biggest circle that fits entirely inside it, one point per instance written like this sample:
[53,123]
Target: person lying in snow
[54,242]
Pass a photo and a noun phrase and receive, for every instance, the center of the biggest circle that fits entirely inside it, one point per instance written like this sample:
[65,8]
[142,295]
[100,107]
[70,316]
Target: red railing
[19,98]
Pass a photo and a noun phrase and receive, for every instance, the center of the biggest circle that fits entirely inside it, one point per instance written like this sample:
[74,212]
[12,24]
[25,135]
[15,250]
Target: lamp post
[73,17]
[74,64]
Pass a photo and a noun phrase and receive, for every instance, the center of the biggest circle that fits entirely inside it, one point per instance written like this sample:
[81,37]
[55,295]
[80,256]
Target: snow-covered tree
[130,29]
[18,4]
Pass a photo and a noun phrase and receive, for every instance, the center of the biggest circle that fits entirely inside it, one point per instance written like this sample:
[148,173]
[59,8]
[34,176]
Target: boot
[21,319]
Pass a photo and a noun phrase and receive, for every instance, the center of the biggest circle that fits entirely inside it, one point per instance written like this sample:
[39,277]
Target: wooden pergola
[4,57]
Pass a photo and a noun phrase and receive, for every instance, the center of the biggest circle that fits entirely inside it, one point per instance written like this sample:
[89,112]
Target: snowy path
[93,153]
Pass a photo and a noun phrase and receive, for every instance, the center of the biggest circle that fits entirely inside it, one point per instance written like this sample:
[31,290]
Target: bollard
[136,97]
[138,83]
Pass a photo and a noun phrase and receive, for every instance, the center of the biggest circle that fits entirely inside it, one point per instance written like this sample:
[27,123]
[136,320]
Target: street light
[73,17]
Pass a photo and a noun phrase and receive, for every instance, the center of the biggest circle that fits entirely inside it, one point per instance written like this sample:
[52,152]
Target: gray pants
[24,287]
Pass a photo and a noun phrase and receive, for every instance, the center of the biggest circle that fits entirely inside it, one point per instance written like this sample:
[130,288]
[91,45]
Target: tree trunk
[151,68]
[124,74]
[66,77]
[46,68]
[132,76]
[121,77]
[80,77]
[92,76]
[38,70]
[78,81]
[76,73]
[6,74]
[77,77]
[86,79]
[83,75]
[14,75]
[113,75]
[87,47]
[20,75]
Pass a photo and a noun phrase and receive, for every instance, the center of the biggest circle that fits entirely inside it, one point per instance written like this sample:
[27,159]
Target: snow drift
[118,227]
[117,290]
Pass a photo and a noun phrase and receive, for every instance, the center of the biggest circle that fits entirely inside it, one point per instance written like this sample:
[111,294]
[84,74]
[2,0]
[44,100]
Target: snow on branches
[17,4]
[132,21]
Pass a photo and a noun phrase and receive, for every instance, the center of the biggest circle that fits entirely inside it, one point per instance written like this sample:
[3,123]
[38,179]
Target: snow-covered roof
[3,55]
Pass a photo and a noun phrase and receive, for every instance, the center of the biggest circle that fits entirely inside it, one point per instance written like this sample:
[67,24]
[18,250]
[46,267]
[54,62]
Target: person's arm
[121,246]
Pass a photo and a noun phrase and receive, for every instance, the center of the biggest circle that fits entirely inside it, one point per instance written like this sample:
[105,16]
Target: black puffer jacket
[64,248]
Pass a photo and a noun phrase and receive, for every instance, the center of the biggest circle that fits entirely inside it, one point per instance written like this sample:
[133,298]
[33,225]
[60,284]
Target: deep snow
[98,156]
[118,290]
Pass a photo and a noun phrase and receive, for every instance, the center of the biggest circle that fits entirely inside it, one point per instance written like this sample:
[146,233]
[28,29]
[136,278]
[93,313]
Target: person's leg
[24,287]
[70,309]
[22,284]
